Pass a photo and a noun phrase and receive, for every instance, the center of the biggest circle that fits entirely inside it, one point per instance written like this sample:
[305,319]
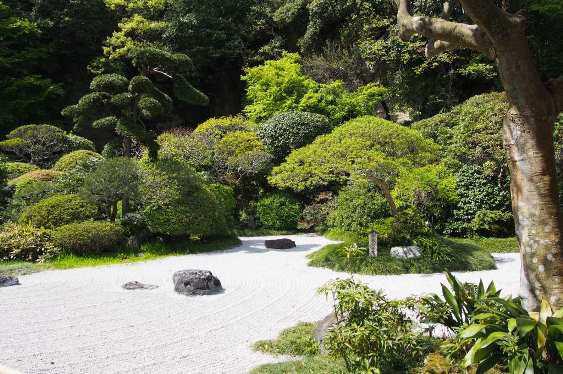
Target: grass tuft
[294,341]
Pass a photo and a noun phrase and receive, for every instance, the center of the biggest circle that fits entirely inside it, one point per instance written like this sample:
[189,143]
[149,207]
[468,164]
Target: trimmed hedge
[34,176]
[26,243]
[287,131]
[17,169]
[58,210]
[83,159]
[90,237]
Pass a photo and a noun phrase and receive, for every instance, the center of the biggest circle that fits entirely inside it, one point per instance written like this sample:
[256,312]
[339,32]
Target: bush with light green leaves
[89,237]
[58,210]
[278,211]
[83,159]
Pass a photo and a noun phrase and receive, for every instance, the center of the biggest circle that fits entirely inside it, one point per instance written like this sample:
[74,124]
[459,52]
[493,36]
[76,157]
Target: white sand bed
[82,321]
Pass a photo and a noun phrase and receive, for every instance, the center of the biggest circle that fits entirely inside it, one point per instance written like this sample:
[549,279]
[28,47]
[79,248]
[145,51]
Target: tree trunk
[535,205]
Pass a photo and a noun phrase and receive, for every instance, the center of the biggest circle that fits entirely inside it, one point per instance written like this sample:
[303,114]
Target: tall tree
[528,130]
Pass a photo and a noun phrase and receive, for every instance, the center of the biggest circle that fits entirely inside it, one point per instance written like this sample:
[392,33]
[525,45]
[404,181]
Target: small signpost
[372,244]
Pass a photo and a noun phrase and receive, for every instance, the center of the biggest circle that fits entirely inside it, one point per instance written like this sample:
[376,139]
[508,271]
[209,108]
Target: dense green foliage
[89,237]
[286,131]
[278,211]
[25,242]
[58,210]
[82,159]
[295,341]
[361,145]
[16,169]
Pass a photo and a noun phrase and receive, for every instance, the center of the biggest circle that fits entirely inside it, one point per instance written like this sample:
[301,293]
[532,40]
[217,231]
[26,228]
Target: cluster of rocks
[7,281]
[411,251]
[186,282]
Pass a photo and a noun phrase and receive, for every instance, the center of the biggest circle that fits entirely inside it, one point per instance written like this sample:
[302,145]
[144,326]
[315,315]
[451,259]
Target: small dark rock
[280,243]
[196,282]
[7,281]
[138,286]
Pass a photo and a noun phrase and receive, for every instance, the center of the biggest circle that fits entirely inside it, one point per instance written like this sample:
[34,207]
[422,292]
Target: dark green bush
[89,237]
[287,131]
[493,223]
[26,243]
[175,202]
[58,210]
[278,211]
[314,215]
[358,207]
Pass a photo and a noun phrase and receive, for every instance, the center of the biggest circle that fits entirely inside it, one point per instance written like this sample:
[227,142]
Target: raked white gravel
[82,321]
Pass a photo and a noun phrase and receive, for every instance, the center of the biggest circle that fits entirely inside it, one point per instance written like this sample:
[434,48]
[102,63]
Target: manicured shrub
[58,210]
[332,158]
[114,180]
[34,176]
[278,211]
[493,223]
[175,201]
[181,145]
[26,243]
[17,169]
[42,144]
[83,159]
[89,237]
[287,131]
[358,207]
[27,195]
[214,129]
[314,215]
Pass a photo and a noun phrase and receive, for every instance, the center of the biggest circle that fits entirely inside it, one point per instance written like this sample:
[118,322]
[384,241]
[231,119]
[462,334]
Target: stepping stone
[196,282]
[138,286]
[280,243]
[7,281]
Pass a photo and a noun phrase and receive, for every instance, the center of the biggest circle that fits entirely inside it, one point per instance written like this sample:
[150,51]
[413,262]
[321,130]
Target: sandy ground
[82,321]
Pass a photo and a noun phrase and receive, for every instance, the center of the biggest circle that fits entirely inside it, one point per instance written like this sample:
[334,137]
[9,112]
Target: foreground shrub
[17,169]
[372,334]
[83,159]
[90,237]
[34,176]
[287,131]
[278,211]
[175,202]
[58,210]
[26,243]
[181,145]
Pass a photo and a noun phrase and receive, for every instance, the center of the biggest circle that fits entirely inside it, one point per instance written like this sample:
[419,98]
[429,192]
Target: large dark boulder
[196,282]
[7,281]
[280,243]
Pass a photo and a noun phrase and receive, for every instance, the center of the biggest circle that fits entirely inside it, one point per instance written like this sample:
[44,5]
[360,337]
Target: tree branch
[444,35]
[156,70]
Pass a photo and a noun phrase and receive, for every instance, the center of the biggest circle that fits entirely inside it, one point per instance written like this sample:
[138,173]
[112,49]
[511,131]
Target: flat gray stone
[322,328]
[196,282]
[8,281]
[411,251]
[138,286]
[280,243]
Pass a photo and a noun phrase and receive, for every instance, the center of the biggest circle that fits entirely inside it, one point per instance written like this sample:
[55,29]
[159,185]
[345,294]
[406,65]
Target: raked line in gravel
[82,321]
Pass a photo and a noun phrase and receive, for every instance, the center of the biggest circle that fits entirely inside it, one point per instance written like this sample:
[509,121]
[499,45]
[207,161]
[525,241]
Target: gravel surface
[82,321]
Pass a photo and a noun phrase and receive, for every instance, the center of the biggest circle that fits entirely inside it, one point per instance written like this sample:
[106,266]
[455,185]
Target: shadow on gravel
[257,246]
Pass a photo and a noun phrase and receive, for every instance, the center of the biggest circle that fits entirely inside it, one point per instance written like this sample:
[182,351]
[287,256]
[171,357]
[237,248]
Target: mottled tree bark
[527,134]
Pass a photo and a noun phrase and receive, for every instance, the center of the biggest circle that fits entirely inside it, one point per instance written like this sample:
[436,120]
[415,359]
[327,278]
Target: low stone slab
[7,281]
[196,282]
[138,286]
[321,329]
[411,251]
[280,243]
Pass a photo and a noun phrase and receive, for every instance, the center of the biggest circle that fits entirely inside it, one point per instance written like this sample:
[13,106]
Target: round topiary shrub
[358,207]
[287,131]
[175,201]
[215,128]
[278,211]
[26,243]
[58,210]
[17,169]
[83,159]
[90,237]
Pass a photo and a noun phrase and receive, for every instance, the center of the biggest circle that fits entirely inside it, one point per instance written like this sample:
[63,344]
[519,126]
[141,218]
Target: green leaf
[559,347]
[518,365]
[525,326]
[493,337]
[471,330]
[450,299]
